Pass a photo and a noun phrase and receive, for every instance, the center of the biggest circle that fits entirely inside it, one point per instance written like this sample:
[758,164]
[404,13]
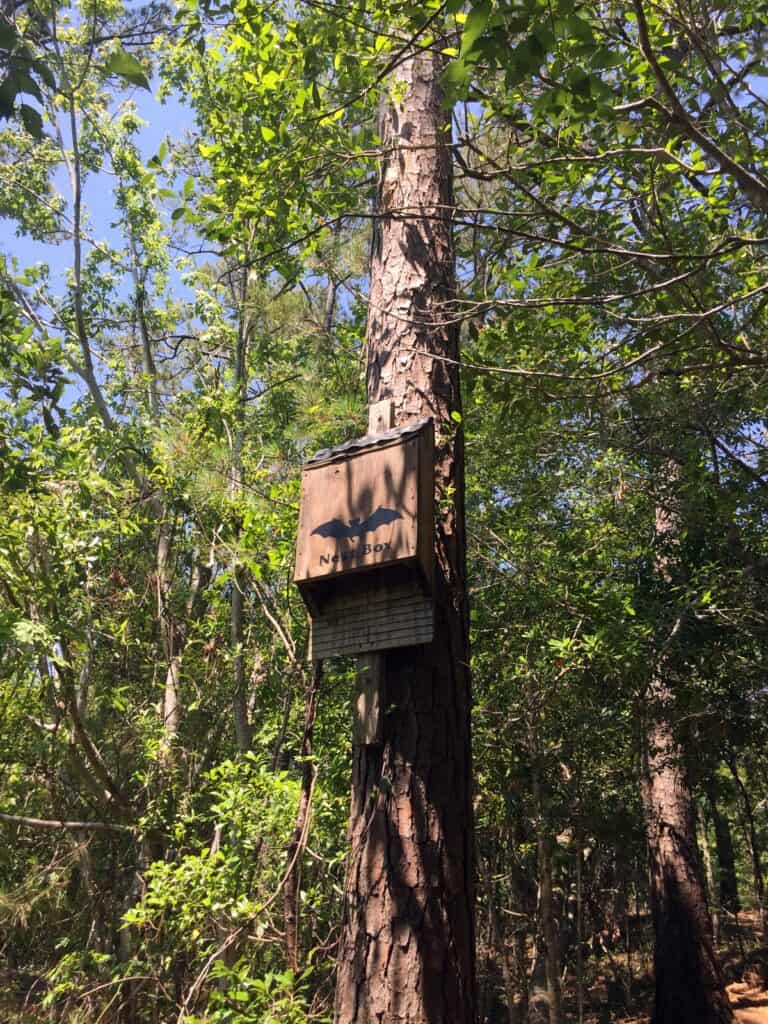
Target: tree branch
[69,826]
[752,186]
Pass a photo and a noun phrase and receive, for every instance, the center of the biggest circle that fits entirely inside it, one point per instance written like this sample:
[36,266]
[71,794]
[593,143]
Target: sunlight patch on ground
[750,1003]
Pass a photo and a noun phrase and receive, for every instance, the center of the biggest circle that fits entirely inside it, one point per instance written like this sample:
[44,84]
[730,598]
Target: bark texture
[407,946]
[689,982]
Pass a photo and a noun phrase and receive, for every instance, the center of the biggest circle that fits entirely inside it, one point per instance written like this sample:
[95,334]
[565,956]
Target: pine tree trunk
[407,945]
[689,982]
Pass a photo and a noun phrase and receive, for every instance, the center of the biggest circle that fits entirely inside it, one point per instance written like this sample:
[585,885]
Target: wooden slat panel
[376,620]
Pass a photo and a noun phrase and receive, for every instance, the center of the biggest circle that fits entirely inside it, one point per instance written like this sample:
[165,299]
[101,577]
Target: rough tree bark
[689,982]
[407,946]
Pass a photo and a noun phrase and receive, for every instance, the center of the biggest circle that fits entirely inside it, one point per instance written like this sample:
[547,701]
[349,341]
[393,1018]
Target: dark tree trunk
[709,877]
[407,945]
[548,1001]
[750,832]
[726,861]
[689,982]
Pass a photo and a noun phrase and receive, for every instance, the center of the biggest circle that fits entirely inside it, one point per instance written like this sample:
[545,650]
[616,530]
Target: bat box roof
[367,511]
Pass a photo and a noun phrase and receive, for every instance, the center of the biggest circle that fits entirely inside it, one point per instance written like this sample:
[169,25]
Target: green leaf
[44,72]
[8,92]
[477,22]
[456,74]
[32,120]
[124,65]
[8,35]
[267,133]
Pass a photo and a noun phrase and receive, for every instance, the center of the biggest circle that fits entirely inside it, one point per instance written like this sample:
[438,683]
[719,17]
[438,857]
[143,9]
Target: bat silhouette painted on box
[339,530]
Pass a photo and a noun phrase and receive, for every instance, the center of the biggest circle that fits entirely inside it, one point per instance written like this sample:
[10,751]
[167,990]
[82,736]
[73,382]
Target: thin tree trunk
[547,921]
[630,969]
[748,820]
[243,732]
[728,886]
[173,631]
[580,921]
[499,943]
[709,876]
[523,890]
[299,841]
[408,947]
[169,633]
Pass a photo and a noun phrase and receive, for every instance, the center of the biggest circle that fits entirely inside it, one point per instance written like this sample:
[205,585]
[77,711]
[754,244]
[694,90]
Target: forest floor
[615,995]
[745,964]
[749,1002]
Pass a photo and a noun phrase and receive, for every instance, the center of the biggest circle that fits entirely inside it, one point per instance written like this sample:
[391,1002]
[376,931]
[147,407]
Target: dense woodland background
[182,321]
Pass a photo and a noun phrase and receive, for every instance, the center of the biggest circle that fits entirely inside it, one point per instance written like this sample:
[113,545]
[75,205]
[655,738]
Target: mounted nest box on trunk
[364,553]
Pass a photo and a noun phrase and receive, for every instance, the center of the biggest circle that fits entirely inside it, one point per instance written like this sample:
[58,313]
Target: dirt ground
[749,1002]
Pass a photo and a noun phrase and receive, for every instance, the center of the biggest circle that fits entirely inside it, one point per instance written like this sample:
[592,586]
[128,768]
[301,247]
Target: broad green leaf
[32,120]
[477,21]
[125,65]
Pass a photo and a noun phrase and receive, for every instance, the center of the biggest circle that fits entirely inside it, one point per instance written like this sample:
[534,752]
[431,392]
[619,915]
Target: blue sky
[168,118]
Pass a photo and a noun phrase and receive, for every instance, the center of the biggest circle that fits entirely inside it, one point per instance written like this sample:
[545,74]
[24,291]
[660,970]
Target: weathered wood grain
[373,620]
[367,509]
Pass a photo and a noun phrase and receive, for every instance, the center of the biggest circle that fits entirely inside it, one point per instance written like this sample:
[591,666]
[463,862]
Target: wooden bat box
[364,551]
